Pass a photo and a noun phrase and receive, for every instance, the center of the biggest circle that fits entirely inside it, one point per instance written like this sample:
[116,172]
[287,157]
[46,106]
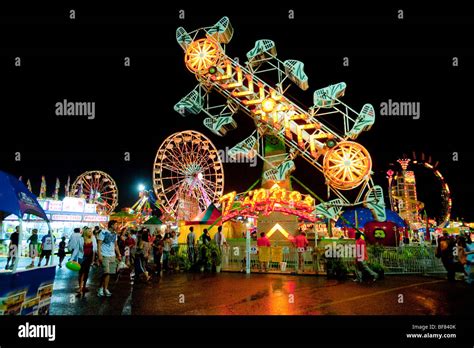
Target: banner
[264,254]
[27,292]
[277,254]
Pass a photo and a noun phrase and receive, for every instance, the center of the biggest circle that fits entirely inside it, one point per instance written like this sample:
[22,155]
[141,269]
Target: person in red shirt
[361,259]
[301,243]
[264,242]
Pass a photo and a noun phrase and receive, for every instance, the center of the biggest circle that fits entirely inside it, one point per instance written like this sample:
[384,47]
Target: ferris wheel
[446,199]
[187,174]
[98,188]
[415,205]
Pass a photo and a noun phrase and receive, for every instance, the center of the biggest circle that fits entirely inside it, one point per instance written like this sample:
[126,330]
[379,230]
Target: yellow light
[277,227]
[268,105]
[201,55]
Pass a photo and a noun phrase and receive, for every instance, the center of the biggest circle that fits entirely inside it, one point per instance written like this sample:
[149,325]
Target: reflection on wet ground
[257,294]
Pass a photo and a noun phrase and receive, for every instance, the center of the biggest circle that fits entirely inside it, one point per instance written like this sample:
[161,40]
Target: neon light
[277,227]
[268,201]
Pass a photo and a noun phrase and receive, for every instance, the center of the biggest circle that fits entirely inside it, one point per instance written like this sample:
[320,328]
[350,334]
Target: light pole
[247,249]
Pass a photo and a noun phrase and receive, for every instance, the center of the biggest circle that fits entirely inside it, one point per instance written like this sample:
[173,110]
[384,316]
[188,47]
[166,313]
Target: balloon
[73,266]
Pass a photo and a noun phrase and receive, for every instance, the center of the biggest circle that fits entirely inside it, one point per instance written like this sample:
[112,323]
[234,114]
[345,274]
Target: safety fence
[283,257]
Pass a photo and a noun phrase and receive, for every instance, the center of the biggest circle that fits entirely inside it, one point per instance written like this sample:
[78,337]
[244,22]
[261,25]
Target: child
[62,251]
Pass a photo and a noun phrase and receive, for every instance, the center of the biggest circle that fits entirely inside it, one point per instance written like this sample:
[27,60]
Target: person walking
[96,231]
[145,239]
[191,242]
[46,248]
[166,251]
[361,259]
[108,251]
[73,244]
[129,244]
[158,253]
[33,247]
[62,251]
[174,243]
[445,251]
[469,260]
[140,259]
[13,248]
[87,251]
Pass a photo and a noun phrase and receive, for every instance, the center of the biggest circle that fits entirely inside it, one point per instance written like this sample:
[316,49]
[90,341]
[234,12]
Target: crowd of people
[457,256]
[113,249]
[43,248]
[145,253]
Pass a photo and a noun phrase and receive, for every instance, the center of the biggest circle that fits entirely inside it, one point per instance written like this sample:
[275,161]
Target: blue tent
[364,215]
[16,199]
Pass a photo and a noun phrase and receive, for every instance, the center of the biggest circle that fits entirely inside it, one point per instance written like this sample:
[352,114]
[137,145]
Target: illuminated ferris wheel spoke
[172,177]
[175,187]
[210,183]
[171,168]
[180,168]
[338,172]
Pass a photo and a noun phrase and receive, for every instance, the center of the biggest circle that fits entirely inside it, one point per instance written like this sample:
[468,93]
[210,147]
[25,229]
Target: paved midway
[256,294]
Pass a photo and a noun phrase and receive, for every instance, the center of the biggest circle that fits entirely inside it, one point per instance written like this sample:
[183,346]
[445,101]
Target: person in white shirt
[73,244]
[46,248]
[109,253]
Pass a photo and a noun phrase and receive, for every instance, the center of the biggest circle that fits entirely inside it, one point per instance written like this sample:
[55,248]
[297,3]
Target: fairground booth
[23,291]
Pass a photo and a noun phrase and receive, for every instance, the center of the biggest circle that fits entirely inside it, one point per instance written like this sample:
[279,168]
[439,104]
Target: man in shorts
[109,253]
[46,248]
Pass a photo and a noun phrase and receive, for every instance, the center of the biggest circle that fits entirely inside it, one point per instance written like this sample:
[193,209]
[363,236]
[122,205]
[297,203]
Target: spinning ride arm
[345,164]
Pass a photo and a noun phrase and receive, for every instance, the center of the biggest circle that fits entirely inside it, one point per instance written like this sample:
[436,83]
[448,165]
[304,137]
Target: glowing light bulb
[268,105]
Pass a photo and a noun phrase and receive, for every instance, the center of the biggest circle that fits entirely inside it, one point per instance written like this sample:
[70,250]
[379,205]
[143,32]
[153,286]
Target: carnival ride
[416,205]
[187,175]
[98,188]
[144,208]
[345,164]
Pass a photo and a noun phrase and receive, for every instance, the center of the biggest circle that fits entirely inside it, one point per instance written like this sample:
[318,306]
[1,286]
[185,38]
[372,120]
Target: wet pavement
[257,294]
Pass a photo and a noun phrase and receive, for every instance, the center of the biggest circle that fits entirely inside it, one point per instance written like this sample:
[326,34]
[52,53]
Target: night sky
[407,60]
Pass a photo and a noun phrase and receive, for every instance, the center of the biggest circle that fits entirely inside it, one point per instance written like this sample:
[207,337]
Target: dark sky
[82,60]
